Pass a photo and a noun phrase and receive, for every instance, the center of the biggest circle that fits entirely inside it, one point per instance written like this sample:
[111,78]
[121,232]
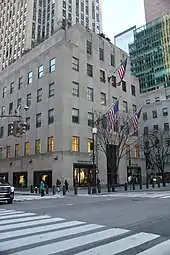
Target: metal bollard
[64,190]
[75,190]
[126,186]
[140,185]
[89,189]
[113,188]
[153,184]
[99,188]
[46,191]
[54,190]
[36,190]
[159,184]
[32,189]
[147,185]
[133,186]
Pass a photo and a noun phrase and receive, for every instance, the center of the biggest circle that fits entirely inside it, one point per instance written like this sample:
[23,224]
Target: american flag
[112,115]
[122,70]
[135,119]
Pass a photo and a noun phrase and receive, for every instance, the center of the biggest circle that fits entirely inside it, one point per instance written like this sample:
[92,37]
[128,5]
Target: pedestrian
[42,187]
[66,185]
[58,184]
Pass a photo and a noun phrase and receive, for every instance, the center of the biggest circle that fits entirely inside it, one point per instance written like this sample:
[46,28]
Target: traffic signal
[22,127]
[13,128]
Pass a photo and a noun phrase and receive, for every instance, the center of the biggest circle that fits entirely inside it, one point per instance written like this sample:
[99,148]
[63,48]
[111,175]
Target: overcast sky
[119,15]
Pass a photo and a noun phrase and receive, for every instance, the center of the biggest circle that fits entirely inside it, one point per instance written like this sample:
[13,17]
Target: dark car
[6,192]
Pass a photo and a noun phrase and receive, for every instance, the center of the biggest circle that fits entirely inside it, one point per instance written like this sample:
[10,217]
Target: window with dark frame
[38,120]
[89,47]
[11,87]
[112,60]
[133,90]
[124,86]
[102,76]
[52,65]
[40,71]
[75,115]
[90,119]
[75,63]
[20,81]
[75,89]
[89,70]
[103,98]
[39,95]
[166,127]
[51,89]
[101,54]
[154,114]
[10,108]
[50,116]
[165,111]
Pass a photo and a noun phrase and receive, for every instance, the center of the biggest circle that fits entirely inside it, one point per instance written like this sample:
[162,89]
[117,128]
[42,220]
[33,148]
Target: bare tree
[158,144]
[114,142]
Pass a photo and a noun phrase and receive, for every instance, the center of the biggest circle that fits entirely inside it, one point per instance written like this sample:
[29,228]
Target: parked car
[6,192]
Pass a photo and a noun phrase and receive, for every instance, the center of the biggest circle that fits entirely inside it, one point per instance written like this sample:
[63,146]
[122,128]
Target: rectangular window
[112,60]
[51,89]
[112,80]
[102,76]
[10,129]
[29,100]
[75,89]
[17,150]
[40,71]
[19,102]
[154,114]
[155,127]
[89,70]
[90,119]
[8,152]
[166,127]
[75,143]
[134,108]
[51,144]
[75,63]
[27,149]
[4,92]
[157,99]
[75,115]
[137,152]
[50,116]
[145,116]
[37,146]
[89,94]
[30,76]
[165,111]
[90,145]
[2,110]
[38,120]
[1,132]
[148,101]
[145,130]
[10,108]
[39,95]
[124,86]
[52,65]
[89,47]
[133,90]
[103,98]
[11,87]
[28,121]
[101,54]
[20,81]
[125,106]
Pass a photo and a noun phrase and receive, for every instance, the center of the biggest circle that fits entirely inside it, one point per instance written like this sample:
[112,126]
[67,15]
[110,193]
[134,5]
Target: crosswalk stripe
[40,229]
[12,244]
[2,222]
[17,216]
[10,213]
[160,249]
[73,243]
[30,223]
[121,245]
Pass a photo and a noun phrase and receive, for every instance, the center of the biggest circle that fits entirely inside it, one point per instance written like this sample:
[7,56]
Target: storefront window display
[20,179]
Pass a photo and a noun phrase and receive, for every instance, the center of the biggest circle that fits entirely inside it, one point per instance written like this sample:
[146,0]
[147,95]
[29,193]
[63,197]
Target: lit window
[90,145]
[17,150]
[8,151]
[75,143]
[27,148]
[51,144]
[52,65]
[37,146]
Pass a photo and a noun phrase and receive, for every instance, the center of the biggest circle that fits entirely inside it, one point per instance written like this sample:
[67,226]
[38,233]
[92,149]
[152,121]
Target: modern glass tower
[149,54]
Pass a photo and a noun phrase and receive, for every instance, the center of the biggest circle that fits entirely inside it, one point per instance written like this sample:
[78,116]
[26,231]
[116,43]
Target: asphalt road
[135,214]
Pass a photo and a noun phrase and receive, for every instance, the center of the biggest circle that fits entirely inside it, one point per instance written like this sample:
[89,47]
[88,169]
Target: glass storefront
[20,179]
[45,176]
[82,174]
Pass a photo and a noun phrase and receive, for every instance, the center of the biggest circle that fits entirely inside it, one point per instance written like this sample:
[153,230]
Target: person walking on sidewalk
[66,185]
[42,187]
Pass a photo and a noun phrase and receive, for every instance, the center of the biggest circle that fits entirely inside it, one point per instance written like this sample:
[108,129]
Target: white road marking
[160,249]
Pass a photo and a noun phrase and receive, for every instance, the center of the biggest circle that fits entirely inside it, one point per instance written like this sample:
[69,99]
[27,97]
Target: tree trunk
[163,179]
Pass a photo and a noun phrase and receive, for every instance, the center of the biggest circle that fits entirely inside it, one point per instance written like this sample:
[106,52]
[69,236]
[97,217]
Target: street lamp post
[94,133]
[146,153]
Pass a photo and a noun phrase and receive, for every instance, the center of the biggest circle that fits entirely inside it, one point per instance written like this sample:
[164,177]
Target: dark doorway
[45,176]
[20,179]
[111,164]
[135,173]
[4,176]
[83,174]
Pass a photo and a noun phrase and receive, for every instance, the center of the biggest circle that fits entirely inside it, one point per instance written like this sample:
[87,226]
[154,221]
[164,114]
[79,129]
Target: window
[75,115]
[103,98]
[145,130]
[165,111]
[38,120]
[155,127]
[51,89]
[37,146]
[20,81]
[125,106]
[89,47]
[75,143]
[10,108]
[28,121]
[102,76]
[166,127]
[101,54]
[89,70]
[40,71]
[52,65]
[50,116]
[148,101]
[134,108]
[8,152]
[157,99]
[124,86]
[145,116]
[112,80]
[30,75]
[154,114]
[27,149]
[89,94]
[39,95]
[90,145]
[4,92]
[3,110]
[75,89]
[112,60]
[133,90]
[51,144]
[17,150]
[11,87]
[137,152]
[29,100]
[90,119]
[114,99]
[19,102]
[1,132]
[75,63]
